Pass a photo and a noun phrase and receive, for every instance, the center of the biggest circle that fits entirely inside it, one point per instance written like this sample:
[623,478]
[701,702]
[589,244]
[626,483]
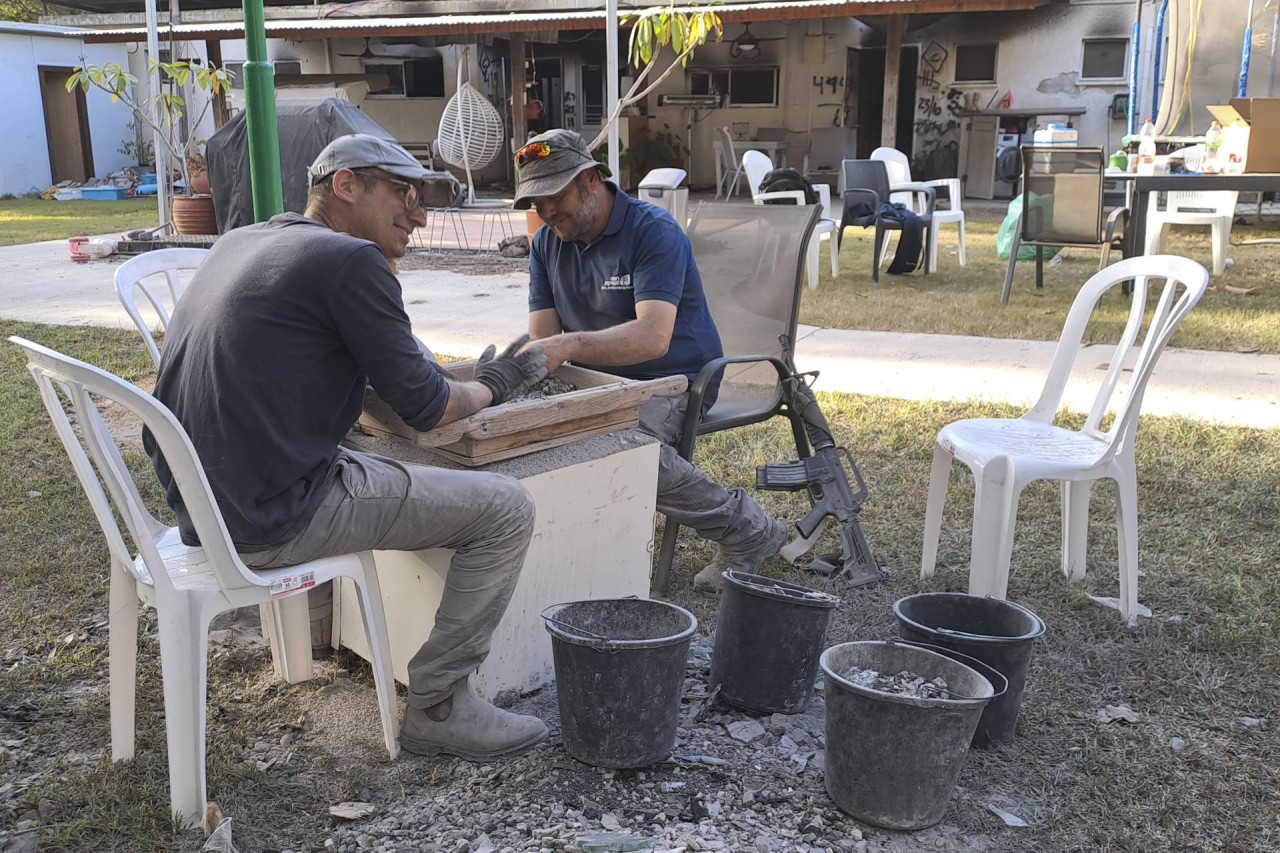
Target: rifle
[822,472]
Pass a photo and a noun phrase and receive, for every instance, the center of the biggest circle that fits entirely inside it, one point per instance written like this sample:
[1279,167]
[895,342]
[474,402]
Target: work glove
[511,372]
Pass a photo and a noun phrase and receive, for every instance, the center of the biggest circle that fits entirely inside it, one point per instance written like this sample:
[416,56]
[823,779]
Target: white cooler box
[1056,135]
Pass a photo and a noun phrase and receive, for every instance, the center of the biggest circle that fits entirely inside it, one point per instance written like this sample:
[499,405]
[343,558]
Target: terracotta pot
[193,214]
[200,182]
[532,222]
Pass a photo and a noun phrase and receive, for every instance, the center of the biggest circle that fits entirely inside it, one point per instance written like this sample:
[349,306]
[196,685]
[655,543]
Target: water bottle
[1147,149]
[1212,144]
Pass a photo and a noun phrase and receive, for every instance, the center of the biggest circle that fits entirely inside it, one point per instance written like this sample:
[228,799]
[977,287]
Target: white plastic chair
[1006,454]
[142,274]
[899,168]
[756,165]
[1214,209]
[729,184]
[187,586]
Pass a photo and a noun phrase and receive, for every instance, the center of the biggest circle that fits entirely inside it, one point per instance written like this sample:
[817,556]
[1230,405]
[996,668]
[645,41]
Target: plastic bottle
[1212,145]
[1147,149]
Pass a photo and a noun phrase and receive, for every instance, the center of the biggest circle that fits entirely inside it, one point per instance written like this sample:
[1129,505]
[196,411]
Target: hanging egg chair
[471,130]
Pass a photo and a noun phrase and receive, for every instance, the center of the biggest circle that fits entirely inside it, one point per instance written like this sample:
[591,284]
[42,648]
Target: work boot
[469,727]
[742,558]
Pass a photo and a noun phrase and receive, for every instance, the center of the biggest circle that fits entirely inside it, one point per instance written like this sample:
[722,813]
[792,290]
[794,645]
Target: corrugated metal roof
[352,24]
[23,29]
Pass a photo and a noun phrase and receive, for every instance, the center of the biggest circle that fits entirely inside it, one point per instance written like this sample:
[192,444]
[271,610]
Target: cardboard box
[1259,142]
[1056,134]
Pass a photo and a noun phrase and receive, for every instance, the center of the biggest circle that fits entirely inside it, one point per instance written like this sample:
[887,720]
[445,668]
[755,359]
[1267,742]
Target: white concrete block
[592,539]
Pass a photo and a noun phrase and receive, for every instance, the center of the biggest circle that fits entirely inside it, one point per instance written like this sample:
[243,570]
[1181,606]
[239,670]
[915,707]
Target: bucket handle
[984,669]
[580,631]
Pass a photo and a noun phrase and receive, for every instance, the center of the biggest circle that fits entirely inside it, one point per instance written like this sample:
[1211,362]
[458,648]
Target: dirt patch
[463,262]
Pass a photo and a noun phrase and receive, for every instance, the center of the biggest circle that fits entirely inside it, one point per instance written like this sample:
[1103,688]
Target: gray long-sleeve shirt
[265,364]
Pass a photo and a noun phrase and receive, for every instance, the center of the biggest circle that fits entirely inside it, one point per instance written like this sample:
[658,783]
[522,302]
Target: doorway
[864,96]
[66,126]
[548,92]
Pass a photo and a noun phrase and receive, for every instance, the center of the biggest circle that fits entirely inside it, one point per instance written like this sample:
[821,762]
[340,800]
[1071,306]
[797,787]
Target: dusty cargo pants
[375,503]
[687,495]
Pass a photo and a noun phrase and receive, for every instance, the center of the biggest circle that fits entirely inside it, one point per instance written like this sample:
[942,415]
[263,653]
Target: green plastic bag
[1004,237]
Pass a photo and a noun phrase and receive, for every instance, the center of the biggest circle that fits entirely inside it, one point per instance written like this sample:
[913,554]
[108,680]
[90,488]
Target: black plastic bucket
[620,666]
[769,636]
[893,760]
[996,632]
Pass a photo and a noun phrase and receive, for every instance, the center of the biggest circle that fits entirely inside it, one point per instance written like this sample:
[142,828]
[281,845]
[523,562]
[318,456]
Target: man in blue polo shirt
[613,286]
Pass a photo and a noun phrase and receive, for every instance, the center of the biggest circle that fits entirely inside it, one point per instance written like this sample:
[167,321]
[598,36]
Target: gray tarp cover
[305,127]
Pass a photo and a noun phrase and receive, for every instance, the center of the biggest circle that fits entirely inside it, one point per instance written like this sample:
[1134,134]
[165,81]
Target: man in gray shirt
[265,364]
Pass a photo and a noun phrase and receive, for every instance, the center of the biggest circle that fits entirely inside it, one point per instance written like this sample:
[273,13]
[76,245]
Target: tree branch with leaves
[653,29]
[123,87]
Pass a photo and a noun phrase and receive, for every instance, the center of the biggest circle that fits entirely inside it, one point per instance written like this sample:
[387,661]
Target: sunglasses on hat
[535,151]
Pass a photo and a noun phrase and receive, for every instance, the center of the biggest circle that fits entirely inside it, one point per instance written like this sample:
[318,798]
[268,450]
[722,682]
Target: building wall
[24,144]
[811,92]
[1038,63]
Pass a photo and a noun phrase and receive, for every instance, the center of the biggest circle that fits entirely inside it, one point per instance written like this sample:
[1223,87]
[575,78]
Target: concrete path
[459,314]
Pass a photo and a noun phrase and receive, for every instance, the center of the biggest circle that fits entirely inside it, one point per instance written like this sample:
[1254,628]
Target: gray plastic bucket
[620,666]
[892,760]
[999,633]
[769,635]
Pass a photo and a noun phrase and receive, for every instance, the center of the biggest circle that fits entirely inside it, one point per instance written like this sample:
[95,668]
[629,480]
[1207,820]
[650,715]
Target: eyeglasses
[534,151]
[408,192]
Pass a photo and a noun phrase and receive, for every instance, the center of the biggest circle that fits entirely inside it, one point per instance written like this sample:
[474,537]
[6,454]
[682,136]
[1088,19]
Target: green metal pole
[260,113]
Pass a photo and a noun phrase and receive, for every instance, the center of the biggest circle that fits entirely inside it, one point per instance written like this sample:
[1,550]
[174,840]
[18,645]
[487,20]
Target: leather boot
[746,558]
[469,727]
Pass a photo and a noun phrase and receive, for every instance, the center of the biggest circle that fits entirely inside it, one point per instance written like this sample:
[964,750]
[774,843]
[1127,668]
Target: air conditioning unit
[706,101]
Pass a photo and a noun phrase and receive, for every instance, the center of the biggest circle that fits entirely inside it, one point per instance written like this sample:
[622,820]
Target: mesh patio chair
[751,259]
[868,181]
[1062,206]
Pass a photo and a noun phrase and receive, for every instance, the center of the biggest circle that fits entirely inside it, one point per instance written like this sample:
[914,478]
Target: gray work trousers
[375,503]
[688,496]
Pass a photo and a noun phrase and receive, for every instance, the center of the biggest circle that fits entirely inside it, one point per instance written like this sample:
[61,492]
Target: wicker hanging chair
[471,129]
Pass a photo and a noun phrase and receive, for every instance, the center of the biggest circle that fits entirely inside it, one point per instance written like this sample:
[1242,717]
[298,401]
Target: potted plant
[651,150]
[192,211]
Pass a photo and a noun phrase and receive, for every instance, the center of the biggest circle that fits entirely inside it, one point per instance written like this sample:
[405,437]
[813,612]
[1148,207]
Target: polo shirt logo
[617,282]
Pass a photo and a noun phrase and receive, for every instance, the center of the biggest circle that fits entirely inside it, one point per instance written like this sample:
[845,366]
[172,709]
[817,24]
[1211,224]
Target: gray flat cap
[362,151]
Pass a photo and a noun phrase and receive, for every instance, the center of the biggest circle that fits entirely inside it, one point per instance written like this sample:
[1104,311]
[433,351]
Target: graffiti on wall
[937,123]
[832,85]
[571,110]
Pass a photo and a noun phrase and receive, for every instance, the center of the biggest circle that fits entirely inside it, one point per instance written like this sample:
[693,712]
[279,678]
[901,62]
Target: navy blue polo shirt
[642,254]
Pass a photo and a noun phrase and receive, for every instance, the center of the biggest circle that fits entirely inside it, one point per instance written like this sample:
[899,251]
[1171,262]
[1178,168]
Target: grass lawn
[1241,310]
[30,220]
[1192,774]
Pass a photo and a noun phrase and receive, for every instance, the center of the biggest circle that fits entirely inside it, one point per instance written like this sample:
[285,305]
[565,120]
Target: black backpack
[788,179]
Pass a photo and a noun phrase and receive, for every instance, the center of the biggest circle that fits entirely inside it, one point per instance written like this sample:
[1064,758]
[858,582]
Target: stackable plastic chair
[186,585]
[1006,454]
[757,165]
[144,274]
[899,168]
[728,183]
[1212,209]
[867,181]
[751,259]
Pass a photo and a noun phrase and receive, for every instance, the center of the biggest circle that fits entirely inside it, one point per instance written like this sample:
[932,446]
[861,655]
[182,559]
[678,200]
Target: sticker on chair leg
[292,583]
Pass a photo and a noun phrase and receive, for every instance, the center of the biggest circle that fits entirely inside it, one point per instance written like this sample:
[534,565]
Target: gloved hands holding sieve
[512,372]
